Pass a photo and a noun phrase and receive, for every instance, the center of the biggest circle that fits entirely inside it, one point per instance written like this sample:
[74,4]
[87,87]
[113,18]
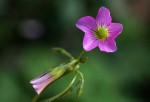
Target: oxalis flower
[100,32]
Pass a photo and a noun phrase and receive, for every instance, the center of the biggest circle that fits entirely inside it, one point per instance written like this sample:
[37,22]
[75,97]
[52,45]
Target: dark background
[30,28]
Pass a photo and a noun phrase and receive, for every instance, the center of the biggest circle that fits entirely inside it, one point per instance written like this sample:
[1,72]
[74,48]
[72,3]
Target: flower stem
[81,54]
[35,98]
[62,93]
[79,91]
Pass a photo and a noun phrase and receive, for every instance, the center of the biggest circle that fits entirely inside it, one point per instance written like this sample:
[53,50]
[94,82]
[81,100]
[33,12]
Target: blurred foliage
[29,28]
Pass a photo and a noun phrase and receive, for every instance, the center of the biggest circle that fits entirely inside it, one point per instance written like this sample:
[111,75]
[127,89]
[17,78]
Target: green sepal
[57,71]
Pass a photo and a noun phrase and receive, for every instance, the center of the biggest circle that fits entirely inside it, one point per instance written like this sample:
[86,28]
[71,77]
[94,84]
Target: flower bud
[48,77]
[83,59]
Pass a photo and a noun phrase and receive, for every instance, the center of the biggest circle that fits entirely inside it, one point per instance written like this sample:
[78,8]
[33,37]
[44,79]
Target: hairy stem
[81,54]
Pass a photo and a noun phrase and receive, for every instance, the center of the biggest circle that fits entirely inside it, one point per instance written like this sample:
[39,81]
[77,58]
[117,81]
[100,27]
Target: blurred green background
[29,28]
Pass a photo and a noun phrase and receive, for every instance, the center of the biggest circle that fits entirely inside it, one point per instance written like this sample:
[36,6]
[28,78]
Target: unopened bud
[83,59]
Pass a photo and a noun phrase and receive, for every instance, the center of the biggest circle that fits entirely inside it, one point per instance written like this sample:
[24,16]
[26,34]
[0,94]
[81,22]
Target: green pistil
[101,33]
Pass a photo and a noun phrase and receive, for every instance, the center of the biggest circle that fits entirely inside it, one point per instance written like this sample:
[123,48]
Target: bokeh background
[30,28]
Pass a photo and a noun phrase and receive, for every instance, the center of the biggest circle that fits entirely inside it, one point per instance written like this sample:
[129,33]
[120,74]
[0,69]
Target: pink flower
[41,82]
[99,32]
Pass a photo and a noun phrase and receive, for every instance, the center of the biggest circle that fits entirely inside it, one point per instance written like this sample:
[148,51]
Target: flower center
[101,33]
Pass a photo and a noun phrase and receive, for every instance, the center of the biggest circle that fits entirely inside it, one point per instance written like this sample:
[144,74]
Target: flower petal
[41,82]
[115,29]
[42,78]
[39,88]
[103,17]
[89,42]
[86,24]
[108,45]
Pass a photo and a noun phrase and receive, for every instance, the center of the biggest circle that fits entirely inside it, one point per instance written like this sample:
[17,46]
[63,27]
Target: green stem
[62,93]
[81,54]
[81,76]
[79,92]
[35,98]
